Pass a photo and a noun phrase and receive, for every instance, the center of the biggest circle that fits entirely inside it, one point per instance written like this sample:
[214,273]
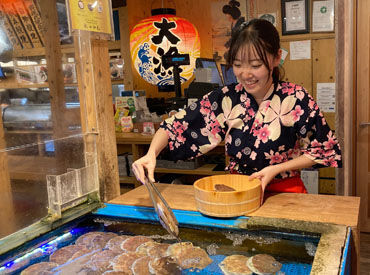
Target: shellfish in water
[263,264]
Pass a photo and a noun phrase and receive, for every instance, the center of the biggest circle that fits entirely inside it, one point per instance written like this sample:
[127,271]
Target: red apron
[287,185]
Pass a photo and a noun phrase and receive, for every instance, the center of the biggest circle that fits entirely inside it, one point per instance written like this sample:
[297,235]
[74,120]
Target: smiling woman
[271,128]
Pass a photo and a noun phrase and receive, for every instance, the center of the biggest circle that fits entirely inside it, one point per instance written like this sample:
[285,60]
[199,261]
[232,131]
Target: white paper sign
[326,97]
[323,16]
[295,15]
[300,50]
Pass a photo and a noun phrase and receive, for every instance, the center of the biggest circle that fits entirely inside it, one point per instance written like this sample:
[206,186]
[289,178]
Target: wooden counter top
[306,207]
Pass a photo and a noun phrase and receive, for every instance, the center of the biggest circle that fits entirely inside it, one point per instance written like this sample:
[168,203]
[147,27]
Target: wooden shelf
[68,48]
[205,170]
[114,45]
[126,179]
[308,36]
[7,84]
[117,82]
[13,84]
[38,132]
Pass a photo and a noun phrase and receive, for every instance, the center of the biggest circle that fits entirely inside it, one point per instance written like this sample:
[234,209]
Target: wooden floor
[365,253]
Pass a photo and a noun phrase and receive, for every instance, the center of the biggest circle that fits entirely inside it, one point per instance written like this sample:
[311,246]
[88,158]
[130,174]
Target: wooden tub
[244,200]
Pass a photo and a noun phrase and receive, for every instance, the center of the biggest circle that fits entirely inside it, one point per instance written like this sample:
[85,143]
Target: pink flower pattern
[263,134]
[302,129]
[297,112]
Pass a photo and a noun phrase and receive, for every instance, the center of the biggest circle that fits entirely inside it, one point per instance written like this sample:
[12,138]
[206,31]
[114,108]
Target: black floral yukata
[287,124]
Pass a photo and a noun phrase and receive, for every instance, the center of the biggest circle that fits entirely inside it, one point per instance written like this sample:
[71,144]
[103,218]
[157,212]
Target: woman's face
[252,73]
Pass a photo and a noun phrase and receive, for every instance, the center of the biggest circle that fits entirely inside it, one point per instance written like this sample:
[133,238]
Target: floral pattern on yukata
[287,124]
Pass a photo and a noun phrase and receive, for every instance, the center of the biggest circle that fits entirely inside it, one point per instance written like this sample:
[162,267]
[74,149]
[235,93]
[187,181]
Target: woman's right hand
[148,163]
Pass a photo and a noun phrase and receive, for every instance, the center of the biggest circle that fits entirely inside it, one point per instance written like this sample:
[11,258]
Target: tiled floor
[365,253]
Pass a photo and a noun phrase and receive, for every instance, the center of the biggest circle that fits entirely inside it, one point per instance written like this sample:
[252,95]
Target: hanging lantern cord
[171,8]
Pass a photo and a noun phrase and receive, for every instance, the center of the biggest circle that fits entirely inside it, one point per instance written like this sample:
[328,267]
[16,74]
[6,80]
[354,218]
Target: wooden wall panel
[323,68]
[323,71]
[363,112]
[297,71]
[266,6]
[196,12]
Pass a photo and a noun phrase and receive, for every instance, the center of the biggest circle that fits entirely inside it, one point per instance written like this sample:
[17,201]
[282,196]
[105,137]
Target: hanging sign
[87,15]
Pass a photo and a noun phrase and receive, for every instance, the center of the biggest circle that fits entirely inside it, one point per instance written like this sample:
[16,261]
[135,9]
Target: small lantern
[159,35]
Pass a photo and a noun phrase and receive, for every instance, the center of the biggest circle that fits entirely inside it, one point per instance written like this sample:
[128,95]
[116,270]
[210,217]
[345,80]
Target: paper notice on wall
[326,97]
[300,50]
[323,16]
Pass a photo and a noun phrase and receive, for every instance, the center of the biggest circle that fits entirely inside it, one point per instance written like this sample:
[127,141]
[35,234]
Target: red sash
[287,185]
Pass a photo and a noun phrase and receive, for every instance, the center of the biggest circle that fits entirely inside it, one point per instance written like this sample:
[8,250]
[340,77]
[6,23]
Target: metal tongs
[164,212]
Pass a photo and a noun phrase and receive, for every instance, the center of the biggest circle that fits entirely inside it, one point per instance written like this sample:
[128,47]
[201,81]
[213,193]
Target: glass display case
[48,155]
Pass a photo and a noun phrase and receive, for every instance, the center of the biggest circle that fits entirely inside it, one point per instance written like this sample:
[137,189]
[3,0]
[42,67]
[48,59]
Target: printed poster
[94,16]
[326,97]
[222,25]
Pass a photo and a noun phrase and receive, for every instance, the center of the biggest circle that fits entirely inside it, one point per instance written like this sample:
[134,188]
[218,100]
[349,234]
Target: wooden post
[125,48]
[106,145]
[53,56]
[345,75]
[7,212]
[97,116]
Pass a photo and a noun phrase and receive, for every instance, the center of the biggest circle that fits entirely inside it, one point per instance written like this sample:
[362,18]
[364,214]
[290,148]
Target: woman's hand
[147,162]
[266,175]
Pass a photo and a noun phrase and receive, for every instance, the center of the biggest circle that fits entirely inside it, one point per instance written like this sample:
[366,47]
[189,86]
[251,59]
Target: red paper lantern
[158,35]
